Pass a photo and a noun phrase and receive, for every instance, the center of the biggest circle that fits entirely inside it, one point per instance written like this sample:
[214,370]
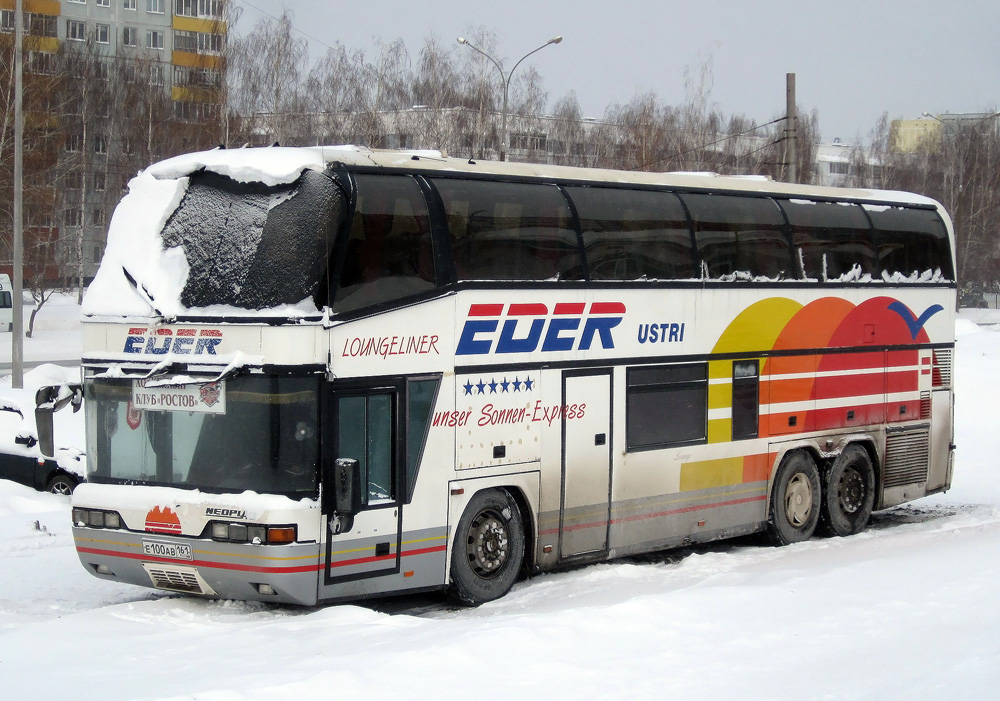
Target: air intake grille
[176,579]
[942,368]
[925,404]
[907,455]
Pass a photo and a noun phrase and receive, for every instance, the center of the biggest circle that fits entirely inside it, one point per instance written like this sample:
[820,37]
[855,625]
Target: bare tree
[41,275]
[437,98]
[380,87]
[265,76]
[86,99]
[568,140]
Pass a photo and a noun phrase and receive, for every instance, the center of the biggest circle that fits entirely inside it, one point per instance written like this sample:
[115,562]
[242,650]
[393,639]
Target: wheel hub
[798,500]
[851,491]
[488,546]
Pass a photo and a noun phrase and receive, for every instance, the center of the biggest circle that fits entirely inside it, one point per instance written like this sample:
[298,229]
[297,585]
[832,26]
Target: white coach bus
[324,374]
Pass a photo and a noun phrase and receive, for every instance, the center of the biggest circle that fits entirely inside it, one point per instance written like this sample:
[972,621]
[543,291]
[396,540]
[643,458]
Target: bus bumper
[278,574]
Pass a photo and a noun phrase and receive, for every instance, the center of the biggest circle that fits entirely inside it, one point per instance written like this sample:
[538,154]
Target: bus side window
[510,231]
[740,235]
[420,397]
[634,234]
[832,239]
[746,399]
[666,405]
[911,242]
[389,254]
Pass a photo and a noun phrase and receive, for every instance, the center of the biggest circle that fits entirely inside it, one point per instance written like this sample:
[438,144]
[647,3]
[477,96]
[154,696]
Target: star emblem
[468,387]
[517,385]
[528,384]
[493,386]
[481,386]
[505,385]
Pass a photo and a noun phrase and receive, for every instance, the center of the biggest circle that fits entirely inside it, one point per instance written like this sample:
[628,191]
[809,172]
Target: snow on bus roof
[135,245]
[271,166]
[141,278]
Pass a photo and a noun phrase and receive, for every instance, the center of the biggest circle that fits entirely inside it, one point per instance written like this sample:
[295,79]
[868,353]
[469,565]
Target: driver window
[365,430]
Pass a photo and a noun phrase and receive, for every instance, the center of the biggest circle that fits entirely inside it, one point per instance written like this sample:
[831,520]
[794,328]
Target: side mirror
[346,486]
[43,427]
[48,400]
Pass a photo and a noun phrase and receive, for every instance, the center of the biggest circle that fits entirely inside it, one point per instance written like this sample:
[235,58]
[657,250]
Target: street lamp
[954,122]
[505,77]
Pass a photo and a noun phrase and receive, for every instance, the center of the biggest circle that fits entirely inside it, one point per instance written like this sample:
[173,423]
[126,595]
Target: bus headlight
[95,518]
[251,533]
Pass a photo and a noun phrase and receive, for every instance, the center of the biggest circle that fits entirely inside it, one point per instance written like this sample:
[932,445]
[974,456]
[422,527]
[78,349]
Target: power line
[713,143]
[291,24]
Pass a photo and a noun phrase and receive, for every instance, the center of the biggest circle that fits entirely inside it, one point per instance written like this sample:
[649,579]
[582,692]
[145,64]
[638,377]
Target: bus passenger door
[584,516]
[366,423]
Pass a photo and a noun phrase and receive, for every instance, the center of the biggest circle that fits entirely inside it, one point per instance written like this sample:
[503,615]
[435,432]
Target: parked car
[42,474]
[22,462]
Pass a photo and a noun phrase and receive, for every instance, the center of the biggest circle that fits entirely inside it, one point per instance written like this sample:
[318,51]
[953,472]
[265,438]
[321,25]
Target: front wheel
[848,493]
[61,484]
[488,550]
[795,500]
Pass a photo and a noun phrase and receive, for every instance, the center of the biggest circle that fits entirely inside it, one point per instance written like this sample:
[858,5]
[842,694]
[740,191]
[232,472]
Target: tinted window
[420,395]
[745,399]
[389,253]
[831,239]
[911,242]
[632,234]
[667,405]
[740,235]
[510,231]
[365,429]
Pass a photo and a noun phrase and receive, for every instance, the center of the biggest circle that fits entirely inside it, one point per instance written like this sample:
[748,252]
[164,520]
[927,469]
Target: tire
[795,500]
[848,493]
[61,484]
[488,550]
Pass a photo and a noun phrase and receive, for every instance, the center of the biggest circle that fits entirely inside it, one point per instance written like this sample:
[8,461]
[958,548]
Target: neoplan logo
[526,326]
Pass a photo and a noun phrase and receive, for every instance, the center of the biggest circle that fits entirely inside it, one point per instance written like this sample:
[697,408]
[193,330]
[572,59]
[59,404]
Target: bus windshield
[259,434]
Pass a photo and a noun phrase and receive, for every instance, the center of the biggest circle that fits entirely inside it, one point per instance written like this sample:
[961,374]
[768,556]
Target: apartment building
[136,72]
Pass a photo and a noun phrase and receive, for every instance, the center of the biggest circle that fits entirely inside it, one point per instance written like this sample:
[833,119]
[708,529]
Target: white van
[6,303]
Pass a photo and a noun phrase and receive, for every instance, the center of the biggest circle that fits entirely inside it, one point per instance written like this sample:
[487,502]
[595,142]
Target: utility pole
[17,329]
[790,128]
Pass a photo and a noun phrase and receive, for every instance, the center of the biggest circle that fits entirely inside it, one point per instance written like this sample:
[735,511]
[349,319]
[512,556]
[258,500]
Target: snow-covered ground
[910,608]
[56,334]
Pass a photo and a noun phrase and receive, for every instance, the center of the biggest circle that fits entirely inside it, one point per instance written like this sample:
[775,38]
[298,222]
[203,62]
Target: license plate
[171,550]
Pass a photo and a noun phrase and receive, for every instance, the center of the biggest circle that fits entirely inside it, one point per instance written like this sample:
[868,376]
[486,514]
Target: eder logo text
[180,341]
[530,327]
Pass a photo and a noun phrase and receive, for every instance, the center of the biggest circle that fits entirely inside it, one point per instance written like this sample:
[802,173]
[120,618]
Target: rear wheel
[61,484]
[848,493]
[488,550]
[795,500]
